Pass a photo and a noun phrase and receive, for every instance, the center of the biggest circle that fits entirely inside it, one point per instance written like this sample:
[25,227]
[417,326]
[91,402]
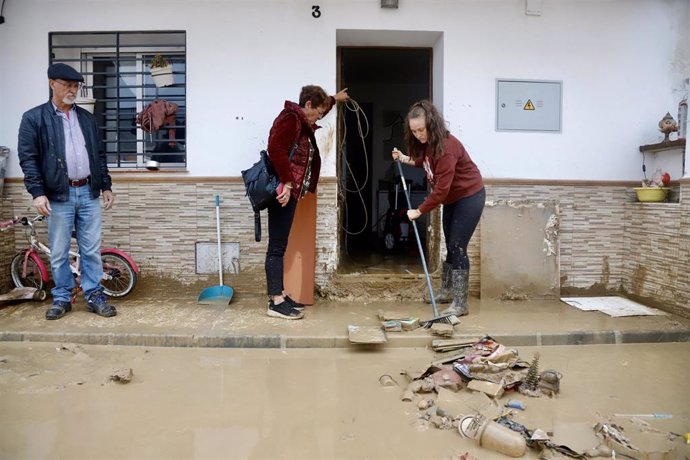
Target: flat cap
[64,72]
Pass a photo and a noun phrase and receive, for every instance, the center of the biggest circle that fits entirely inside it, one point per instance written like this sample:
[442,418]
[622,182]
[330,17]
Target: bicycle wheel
[119,278]
[33,276]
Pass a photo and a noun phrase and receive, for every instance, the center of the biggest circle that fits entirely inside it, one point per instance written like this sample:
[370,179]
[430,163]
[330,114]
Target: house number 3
[315,11]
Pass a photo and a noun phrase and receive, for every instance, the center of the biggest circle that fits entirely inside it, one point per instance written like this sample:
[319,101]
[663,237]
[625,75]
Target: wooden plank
[440,343]
[661,146]
[300,255]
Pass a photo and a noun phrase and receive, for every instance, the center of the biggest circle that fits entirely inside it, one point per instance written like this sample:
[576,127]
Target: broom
[447,318]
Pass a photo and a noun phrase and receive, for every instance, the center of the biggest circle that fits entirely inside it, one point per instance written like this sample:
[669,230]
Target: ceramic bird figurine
[668,125]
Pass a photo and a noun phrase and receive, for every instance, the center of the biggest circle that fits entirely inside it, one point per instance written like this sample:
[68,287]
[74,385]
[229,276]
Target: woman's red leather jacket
[291,128]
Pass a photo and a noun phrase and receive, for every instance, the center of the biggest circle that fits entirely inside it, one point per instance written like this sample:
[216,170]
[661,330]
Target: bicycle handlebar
[9,223]
[21,220]
[29,221]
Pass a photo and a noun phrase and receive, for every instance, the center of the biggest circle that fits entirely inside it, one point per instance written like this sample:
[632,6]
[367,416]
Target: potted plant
[655,189]
[84,100]
[161,71]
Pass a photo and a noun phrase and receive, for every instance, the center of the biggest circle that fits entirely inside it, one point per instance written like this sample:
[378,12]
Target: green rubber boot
[445,295]
[460,286]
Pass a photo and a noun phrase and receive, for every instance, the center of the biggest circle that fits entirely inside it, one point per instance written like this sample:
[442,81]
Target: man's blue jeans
[83,213]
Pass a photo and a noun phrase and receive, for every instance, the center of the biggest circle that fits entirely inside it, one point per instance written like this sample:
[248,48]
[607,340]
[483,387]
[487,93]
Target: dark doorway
[376,236]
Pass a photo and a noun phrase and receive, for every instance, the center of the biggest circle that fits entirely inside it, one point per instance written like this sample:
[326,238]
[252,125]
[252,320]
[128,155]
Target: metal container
[152,165]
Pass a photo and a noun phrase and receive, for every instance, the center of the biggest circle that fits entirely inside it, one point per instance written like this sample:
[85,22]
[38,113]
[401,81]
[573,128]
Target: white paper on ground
[612,306]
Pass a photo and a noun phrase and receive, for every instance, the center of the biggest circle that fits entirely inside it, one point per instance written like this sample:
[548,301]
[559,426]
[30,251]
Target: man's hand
[108,199]
[42,205]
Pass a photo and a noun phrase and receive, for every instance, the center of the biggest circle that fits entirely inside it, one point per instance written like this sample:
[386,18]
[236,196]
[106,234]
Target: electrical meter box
[528,105]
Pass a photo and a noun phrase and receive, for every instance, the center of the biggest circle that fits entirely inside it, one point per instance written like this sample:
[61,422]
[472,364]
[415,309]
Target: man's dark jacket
[41,149]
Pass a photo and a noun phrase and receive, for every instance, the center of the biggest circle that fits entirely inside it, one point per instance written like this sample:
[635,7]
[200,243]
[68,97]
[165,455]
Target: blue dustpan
[217,294]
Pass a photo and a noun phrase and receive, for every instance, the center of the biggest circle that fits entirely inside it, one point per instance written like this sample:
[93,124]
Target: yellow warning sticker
[529,105]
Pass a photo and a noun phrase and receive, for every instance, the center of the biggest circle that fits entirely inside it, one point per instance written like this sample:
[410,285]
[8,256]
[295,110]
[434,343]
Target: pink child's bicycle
[28,269]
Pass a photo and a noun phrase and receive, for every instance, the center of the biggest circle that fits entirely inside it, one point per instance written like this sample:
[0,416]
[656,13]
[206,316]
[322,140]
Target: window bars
[118,85]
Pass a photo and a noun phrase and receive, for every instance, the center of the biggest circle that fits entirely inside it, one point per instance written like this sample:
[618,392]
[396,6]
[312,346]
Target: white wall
[622,62]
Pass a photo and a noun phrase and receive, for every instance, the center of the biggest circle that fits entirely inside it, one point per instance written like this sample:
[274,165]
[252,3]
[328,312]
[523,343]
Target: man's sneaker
[59,309]
[283,310]
[296,305]
[98,304]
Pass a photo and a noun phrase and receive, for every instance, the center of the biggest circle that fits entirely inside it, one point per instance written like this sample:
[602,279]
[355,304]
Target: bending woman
[295,157]
[457,184]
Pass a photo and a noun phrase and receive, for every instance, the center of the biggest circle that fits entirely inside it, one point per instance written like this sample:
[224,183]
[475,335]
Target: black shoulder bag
[261,184]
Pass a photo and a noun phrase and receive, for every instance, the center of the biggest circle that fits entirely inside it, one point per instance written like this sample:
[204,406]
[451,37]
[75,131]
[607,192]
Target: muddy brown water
[61,400]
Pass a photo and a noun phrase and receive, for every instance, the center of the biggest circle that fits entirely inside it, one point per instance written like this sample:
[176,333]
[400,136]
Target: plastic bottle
[515,404]
[683,118]
[493,436]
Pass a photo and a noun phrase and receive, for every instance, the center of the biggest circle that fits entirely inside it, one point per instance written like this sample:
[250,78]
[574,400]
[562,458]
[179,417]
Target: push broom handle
[220,253]
[419,241]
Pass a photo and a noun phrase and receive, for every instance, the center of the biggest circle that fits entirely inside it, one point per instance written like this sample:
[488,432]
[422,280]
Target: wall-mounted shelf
[661,146]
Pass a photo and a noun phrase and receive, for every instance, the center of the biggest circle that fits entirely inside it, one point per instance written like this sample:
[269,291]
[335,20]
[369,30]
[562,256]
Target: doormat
[612,306]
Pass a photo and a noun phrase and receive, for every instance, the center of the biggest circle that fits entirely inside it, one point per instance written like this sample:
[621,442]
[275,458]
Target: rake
[447,318]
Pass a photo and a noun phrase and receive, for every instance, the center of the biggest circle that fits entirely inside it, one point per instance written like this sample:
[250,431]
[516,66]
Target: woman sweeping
[457,184]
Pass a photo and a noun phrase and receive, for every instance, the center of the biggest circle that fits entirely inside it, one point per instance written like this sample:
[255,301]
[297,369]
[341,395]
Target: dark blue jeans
[460,219]
[279,225]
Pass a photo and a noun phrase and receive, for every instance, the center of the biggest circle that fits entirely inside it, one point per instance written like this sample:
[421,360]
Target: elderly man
[65,171]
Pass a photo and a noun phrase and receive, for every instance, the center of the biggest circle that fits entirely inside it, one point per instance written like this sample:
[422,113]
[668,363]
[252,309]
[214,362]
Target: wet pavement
[307,393]
[177,320]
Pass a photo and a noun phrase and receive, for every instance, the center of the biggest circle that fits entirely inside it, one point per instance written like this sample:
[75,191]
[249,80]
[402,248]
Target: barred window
[119,84]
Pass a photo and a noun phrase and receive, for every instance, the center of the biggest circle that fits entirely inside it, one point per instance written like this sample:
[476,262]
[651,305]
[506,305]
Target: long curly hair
[435,127]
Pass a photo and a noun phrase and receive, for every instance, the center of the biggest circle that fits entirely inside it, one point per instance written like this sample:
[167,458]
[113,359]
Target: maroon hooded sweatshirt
[452,175]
